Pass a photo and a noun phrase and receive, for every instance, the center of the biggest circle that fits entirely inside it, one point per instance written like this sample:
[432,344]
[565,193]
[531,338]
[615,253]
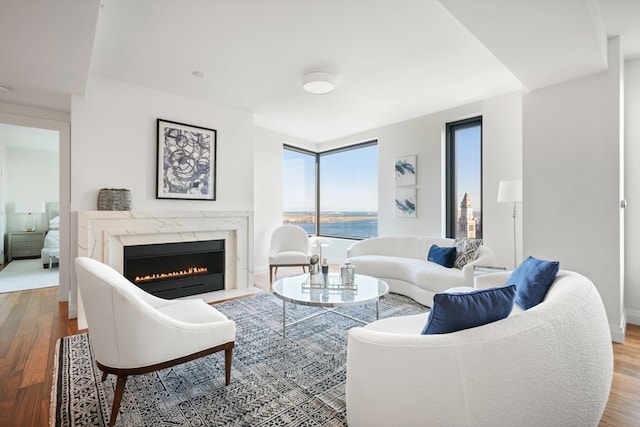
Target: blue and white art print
[186,162]
[406,170]
[405,203]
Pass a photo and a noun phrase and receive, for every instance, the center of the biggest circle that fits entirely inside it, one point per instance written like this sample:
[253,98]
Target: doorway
[58,122]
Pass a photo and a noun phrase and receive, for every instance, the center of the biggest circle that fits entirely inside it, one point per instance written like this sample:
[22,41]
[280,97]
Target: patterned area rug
[274,381]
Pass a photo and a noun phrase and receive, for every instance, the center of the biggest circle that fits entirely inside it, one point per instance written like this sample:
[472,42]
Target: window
[464,178]
[336,189]
[299,188]
[349,191]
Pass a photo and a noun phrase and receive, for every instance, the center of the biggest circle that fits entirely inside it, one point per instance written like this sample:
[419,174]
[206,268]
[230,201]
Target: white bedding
[51,242]
[52,239]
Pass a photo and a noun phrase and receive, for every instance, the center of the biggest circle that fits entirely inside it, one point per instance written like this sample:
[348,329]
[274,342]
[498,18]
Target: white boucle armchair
[549,365]
[133,332]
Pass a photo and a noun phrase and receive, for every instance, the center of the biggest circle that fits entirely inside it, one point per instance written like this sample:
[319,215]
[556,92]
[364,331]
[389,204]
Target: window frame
[318,155]
[451,173]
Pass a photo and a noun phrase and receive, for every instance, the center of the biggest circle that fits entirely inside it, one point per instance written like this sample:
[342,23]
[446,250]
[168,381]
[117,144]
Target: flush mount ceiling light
[199,74]
[4,88]
[319,83]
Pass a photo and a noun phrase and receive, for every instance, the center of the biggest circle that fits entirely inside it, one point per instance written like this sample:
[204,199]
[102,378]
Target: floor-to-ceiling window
[335,190]
[299,188]
[349,191]
[464,178]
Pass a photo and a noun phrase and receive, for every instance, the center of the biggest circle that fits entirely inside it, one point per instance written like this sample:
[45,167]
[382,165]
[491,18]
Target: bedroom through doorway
[29,208]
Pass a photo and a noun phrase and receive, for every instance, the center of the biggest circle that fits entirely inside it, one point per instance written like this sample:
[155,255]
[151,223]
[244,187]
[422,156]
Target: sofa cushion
[533,278]
[466,249]
[445,256]
[455,311]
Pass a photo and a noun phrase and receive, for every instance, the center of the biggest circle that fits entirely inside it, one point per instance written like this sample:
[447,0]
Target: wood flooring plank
[36,363]
[28,402]
[9,328]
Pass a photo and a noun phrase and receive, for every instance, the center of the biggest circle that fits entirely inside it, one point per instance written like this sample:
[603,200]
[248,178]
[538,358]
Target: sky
[468,165]
[349,179]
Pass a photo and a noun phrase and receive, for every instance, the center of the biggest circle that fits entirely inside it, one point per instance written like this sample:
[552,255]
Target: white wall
[502,160]
[267,201]
[31,175]
[632,190]
[572,180]
[113,129]
[424,137]
[114,134]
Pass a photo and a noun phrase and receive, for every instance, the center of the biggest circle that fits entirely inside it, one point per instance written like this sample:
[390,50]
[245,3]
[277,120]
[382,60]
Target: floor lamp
[511,191]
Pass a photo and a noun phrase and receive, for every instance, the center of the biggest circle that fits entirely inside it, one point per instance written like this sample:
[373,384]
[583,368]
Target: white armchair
[133,332]
[289,248]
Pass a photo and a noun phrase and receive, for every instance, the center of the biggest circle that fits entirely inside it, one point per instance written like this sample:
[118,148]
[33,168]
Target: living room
[573,143]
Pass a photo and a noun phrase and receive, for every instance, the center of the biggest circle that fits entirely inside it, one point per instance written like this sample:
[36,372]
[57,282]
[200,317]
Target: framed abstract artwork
[405,202]
[406,170]
[186,167]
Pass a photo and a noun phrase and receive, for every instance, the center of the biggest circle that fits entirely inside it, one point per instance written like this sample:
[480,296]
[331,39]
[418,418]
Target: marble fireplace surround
[102,235]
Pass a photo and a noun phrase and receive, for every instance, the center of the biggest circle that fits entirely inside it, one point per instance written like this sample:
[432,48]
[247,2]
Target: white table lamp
[511,191]
[30,209]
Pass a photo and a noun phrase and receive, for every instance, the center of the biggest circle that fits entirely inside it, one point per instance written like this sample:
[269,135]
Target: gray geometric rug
[297,381]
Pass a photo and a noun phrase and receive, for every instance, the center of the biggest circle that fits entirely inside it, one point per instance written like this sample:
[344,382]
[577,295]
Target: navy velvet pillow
[463,310]
[445,256]
[533,278]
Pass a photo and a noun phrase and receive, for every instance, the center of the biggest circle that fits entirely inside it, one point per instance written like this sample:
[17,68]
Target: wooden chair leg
[270,274]
[227,365]
[104,375]
[117,398]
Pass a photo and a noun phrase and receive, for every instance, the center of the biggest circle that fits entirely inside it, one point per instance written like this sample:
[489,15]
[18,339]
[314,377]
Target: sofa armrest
[491,280]
[485,256]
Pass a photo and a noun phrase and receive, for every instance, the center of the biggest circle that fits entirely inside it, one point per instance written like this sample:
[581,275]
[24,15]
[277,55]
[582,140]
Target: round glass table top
[296,289]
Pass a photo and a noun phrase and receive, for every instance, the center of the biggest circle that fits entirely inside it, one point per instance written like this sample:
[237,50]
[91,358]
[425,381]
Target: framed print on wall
[406,170]
[405,202]
[186,167]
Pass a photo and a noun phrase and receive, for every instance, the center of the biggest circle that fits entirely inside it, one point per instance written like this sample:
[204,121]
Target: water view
[339,224]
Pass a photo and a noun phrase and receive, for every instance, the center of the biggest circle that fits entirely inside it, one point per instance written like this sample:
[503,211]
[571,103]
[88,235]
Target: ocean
[361,225]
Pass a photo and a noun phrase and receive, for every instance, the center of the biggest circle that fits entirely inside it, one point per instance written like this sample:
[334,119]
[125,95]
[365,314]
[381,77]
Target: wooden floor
[32,321]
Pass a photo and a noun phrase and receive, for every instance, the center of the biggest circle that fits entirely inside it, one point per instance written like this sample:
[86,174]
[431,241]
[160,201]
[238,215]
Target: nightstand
[25,244]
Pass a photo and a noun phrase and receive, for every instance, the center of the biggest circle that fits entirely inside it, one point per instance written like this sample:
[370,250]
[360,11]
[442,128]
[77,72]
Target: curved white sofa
[549,365]
[401,261]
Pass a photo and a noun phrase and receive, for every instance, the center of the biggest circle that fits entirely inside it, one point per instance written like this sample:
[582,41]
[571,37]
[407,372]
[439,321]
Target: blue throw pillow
[533,278]
[445,256]
[453,312]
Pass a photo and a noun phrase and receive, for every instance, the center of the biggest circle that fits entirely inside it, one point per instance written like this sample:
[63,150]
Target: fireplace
[173,270]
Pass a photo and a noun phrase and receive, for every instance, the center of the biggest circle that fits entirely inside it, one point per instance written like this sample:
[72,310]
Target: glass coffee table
[298,290]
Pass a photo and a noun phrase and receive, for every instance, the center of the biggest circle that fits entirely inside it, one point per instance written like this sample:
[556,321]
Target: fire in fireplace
[173,270]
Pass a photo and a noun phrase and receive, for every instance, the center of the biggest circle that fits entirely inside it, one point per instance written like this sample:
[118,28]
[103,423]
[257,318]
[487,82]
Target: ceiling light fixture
[197,73]
[4,88]
[319,83]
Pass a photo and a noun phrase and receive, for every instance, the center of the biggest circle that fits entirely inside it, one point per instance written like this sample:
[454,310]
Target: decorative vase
[114,199]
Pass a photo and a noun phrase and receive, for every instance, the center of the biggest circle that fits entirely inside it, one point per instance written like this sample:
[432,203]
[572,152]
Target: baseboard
[633,316]
[618,331]
[73,311]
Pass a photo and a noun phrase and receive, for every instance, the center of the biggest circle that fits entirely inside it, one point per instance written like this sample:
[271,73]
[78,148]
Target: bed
[51,246]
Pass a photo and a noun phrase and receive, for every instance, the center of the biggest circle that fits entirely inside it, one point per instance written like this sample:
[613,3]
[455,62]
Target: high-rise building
[466,220]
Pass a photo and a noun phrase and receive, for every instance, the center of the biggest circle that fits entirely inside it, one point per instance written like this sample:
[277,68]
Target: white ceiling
[393,59]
